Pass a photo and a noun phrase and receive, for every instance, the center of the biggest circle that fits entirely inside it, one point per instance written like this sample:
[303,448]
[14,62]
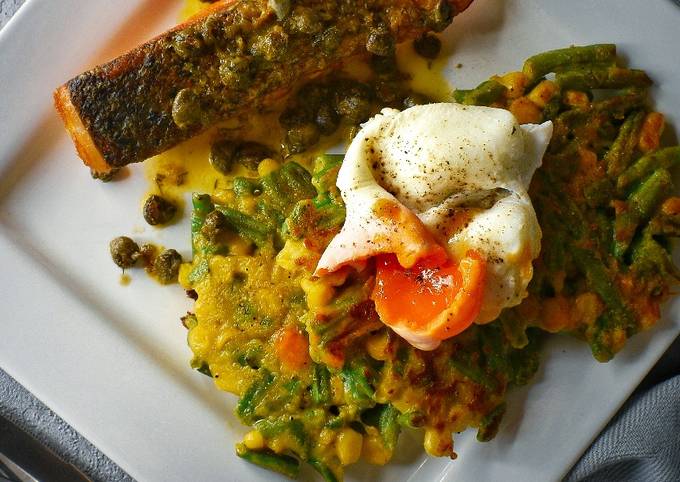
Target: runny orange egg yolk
[437,297]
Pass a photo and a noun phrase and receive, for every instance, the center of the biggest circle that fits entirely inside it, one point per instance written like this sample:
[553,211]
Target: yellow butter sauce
[427,76]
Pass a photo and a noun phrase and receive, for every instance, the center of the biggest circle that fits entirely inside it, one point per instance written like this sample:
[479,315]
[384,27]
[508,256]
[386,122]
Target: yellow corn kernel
[556,314]
[588,307]
[373,451]
[376,346]
[254,440]
[230,384]
[651,131]
[200,340]
[542,93]
[618,339]
[435,444]
[318,293]
[525,111]
[326,437]
[295,255]
[239,246]
[267,166]
[278,444]
[515,82]
[576,98]
[223,196]
[348,446]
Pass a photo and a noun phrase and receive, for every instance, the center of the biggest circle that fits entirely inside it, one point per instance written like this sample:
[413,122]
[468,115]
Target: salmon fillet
[235,57]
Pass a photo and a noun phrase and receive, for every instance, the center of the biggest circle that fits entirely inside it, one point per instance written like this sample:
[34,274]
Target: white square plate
[112,360]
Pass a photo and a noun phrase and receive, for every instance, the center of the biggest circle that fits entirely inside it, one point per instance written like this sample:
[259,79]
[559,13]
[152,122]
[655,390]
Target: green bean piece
[412,419]
[388,424]
[283,464]
[552,108]
[339,320]
[246,226]
[666,158]
[284,187]
[326,171]
[641,206]
[321,384]
[619,155]
[598,193]
[248,403]
[314,217]
[515,327]
[202,206]
[645,199]
[474,373]
[490,423]
[602,283]
[271,428]
[523,363]
[357,377]
[599,78]
[324,470]
[244,186]
[485,93]
[618,106]
[544,63]
[649,258]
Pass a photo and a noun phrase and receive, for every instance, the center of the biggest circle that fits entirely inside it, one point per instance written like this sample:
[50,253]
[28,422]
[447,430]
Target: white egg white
[464,172]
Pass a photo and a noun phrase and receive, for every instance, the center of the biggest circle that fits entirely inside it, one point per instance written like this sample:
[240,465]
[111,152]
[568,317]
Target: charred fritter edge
[235,57]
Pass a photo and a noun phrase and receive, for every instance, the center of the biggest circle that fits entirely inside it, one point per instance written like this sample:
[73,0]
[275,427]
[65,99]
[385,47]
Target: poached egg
[437,195]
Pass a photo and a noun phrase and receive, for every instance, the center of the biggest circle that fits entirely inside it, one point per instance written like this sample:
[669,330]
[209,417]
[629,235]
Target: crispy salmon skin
[234,57]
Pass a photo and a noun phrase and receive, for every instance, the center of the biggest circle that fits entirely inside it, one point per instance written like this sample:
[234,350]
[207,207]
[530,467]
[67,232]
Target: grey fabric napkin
[642,443]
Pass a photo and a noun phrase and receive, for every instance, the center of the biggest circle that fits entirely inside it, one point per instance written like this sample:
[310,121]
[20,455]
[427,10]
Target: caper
[389,92]
[427,46]
[300,137]
[124,251]
[384,65]
[158,210]
[353,100]
[166,266]
[414,99]
[327,119]
[304,20]
[106,176]
[186,44]
[312,95]
[212,30]
[222,156]
[186,109]
[271,45]
[328,41]
[147,253]
[235,71]
[294,115]
[214,225]
[380,41]
[249,154]
[441,16]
